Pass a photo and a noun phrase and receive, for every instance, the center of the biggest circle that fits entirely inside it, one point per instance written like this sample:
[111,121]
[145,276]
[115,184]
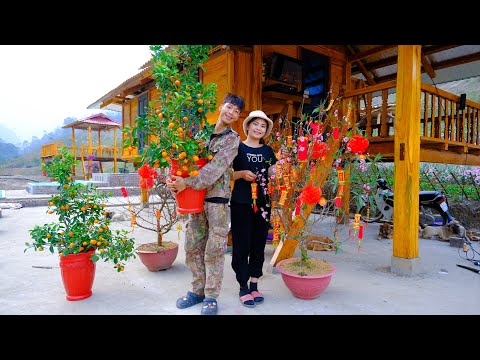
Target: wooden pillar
[99,144]
[289,115]
[257,77]
[90,151]
[114,149]
[407,152]
[89,140]
[73,150]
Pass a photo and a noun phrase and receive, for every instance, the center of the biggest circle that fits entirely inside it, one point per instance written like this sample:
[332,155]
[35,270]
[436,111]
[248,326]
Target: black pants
[249,236]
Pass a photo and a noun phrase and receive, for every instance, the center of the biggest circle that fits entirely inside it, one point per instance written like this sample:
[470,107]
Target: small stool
[456,241]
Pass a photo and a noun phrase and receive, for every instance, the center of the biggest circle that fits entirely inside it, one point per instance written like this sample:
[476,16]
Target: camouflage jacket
[215,175]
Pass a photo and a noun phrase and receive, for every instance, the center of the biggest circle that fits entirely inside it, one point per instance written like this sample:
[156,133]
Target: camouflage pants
[205,244]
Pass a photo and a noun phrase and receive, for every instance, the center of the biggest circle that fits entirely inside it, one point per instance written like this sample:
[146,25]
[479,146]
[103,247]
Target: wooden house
[428,124]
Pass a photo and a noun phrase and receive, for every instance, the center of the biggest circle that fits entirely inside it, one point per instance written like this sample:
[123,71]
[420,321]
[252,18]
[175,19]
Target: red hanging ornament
[297,207]
[357,144]
[336,133]
[302,149]
[124,191]
[310,195]
[338,201]
[360,232]
[319,149]
[314,126]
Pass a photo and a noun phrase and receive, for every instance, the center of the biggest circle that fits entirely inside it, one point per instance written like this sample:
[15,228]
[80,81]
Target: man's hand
[176,184]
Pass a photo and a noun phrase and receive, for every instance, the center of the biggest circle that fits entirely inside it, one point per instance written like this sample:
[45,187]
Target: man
[207,232]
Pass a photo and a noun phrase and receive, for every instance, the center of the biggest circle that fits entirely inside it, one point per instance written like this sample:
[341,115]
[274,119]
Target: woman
[250,209]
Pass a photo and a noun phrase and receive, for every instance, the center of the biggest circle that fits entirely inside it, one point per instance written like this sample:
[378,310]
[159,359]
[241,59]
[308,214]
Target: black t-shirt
[253,159]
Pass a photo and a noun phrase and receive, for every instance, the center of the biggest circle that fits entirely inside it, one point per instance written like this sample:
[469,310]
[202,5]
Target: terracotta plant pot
[158,260]
[189,201]
[305,287]
[78,273]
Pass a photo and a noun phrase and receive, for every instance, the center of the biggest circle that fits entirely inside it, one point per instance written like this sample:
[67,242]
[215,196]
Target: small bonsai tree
[157,211]
[82,225]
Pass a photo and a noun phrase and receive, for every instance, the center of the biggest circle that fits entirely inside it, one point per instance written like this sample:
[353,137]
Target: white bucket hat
[258,114]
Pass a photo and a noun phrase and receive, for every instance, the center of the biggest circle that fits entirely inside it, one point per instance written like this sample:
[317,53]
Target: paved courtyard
[30,282]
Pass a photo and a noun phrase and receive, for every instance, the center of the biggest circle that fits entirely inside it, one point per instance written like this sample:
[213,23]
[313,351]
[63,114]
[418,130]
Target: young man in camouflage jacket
[207,232]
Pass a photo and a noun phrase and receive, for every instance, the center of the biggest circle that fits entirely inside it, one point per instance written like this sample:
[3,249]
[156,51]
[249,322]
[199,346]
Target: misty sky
[41,85]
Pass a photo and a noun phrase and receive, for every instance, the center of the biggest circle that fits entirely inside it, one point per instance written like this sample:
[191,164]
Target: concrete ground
[30,282]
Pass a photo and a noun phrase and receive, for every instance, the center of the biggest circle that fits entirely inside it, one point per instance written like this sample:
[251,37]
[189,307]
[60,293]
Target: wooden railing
[51,149]
[442,121]
[98,151]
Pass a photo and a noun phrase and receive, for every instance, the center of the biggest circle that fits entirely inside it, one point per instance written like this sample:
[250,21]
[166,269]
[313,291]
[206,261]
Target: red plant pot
[305,287]
[158,260]
[189,201]
[78,273]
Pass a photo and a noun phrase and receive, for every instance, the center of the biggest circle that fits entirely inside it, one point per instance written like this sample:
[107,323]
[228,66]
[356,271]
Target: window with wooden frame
[142,111]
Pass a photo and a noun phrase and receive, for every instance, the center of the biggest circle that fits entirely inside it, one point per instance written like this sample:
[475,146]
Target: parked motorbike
[433,206]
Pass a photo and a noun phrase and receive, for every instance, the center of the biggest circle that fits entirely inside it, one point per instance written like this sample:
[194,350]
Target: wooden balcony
[448,134]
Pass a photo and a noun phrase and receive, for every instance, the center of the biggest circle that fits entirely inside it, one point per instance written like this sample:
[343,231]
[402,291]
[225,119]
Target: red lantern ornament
[310,194]
[147,176]
[357,144]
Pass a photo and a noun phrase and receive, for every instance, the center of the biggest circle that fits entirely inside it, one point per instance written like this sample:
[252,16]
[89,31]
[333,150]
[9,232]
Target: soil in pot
[312,267]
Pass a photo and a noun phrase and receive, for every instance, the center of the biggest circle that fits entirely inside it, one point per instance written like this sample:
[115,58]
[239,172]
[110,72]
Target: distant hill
[28,153]
[9,136]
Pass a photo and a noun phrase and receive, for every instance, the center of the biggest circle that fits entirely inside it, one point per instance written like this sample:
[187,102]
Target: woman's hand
[244,174]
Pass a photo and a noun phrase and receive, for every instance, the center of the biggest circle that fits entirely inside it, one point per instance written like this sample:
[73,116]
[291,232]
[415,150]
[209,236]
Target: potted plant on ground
[175,125]
[81,234]
[321,148]
[174,133]
[156,212]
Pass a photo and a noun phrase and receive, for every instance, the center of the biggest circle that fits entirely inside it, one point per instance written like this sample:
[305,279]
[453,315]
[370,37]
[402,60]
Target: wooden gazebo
[88,153]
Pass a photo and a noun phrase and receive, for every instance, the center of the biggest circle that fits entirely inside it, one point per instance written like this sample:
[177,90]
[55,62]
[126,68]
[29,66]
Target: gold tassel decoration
[254,195]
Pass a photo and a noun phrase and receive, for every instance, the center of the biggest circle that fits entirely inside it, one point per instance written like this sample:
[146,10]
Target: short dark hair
[236,100]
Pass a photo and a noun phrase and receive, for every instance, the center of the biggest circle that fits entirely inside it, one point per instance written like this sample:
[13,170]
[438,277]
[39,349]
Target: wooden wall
[234,69]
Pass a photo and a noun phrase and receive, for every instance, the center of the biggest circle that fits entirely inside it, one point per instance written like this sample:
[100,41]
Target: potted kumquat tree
[81,235]
[172,138]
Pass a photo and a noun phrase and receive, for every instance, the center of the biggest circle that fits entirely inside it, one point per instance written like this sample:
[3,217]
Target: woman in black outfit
[250,214]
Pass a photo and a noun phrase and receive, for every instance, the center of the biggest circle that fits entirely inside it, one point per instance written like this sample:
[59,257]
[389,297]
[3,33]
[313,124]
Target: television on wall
[286,69]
